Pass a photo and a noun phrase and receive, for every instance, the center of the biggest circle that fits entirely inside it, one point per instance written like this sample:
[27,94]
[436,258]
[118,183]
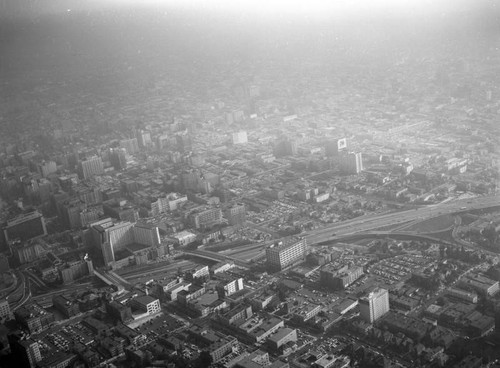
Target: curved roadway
[372,222]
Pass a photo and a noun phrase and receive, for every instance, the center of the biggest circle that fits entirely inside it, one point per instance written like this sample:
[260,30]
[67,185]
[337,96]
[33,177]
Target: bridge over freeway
[217,257]
[110,278]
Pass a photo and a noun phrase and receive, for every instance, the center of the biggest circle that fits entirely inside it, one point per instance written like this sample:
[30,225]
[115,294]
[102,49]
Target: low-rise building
[145,304]
[281,337]
[66,306]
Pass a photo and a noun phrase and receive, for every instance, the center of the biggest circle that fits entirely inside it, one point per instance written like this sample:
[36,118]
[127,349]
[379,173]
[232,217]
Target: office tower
[240,137]
[111,237]
[189,180]
[69,213]
[162,142]
[4,309]
[66,183]
[118,159]
[90,167]
[71,271]
[130,145]
[143,138]
[33,318]
[184,142]
[204,217]
[351,163]
[168,203]
[286,147]
[88,193]
[46,168]
[290,147]
[146,234]
[334,147]
[236,214]
[25,227]
[374,305]
[25,350]
[285,254]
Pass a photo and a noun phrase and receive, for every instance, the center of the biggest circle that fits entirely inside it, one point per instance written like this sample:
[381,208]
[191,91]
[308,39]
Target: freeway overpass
[110,278]
[360,228]
[366,226]
[217,257]
[374,222]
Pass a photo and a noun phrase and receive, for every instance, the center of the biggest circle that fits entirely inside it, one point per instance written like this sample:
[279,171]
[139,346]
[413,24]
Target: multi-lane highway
[333,231]
[371,222]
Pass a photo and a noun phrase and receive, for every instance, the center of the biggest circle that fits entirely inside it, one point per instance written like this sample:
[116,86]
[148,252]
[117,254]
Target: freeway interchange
[332,232]
[365,224]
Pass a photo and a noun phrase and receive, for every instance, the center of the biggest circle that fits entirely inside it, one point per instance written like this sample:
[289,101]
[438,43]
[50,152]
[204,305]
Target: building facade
[284,255]
[374,305]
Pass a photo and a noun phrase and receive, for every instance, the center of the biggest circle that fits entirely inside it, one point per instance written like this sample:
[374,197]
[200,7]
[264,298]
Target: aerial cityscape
[238,184]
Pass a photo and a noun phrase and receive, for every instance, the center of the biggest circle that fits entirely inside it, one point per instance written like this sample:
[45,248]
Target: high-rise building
[87,193]
[25,252]
[236,214]
[184,142]
[146,234]
[71,271]
[285,254]
[25,226]
[130,145]
[46,168]
[111,237]
[374,305]
[204,217]
[290,147]
[143,138]
[4,309]
[351,163]
[118,159]
[286,147]
[25,350]
[90,167]
[334,147]
[33,318]
[69,213]
[189,180]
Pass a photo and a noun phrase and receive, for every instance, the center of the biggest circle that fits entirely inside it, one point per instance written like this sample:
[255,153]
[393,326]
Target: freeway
[363,224]
[142,275]
[369,223]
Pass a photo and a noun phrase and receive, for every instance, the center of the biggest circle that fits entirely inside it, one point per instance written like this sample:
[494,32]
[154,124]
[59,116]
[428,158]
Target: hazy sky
[322,8]
[73,35]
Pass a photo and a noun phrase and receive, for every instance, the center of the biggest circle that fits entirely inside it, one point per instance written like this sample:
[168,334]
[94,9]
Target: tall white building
[286,254]
[111,237]
[130,145]
[240,137]
[146,234]
[90,167]
[351,163]
[374,305]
